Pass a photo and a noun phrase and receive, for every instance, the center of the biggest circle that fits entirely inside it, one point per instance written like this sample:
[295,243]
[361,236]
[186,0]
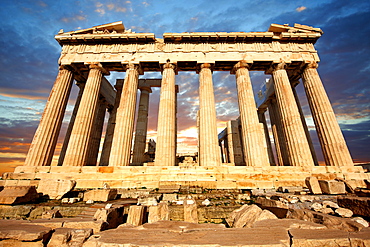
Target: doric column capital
[133,66]
[201,66]
[276,66]
[312,65]
[98,66]
[169,65]
[241,64]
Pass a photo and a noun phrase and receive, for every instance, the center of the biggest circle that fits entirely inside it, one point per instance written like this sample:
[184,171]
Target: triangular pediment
[298,28]
[114,27]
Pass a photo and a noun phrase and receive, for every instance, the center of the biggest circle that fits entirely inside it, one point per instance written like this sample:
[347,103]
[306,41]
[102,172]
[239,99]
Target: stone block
[313,185]
[51,223]
[358,205]
[331,222]
[65,169]
[95,225]
[25,169]
[332,187]
[361,238]
[158,212]
[356,183]
[344,212]
[50,214]
[172,233]
[113,216]
[318,237]
[69,237]
[18,194]
[100,195]
[289,189]
[286,224]
[169,197]
[19,230]
[136,215]
[361,221]
[245,216]
[147,201]
[55,188]
[190,211]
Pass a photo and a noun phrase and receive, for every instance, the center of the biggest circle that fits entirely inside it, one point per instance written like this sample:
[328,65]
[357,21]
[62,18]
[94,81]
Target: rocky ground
[184,216]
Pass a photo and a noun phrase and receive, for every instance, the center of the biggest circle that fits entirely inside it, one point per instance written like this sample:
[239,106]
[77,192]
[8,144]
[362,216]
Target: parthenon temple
[241,156]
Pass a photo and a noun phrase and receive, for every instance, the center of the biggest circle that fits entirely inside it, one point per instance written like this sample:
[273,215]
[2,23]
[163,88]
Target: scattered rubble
[288,216]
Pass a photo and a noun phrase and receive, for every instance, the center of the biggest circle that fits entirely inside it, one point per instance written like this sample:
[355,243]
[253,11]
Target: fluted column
[255,153]
[44,141]
[165,154]
[62,154]
[208,139]
[77,150]
[297,145]
[95,140]
[305,127]
[332,142]
[123,132]
[141,127]
[262,119]
[277,132]
[107,146]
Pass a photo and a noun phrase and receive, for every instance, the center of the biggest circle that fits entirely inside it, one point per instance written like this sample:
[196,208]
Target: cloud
[42,3]
[300,9]
[73,18]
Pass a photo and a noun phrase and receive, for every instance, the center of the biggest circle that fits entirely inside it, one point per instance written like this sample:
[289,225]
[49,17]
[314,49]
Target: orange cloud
[300,9]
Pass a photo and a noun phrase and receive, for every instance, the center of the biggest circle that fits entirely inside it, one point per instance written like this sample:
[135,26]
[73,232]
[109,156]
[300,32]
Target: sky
[29,60]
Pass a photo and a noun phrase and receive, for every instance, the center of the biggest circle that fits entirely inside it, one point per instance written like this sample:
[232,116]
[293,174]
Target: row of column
[292,141]
[84,138]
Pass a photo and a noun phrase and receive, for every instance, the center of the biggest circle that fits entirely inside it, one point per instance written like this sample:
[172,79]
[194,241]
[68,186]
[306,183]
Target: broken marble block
[18,194]
[55,188]
[332,187]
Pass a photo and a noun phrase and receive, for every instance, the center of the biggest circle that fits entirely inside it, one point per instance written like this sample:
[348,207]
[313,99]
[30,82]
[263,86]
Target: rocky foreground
[290,216]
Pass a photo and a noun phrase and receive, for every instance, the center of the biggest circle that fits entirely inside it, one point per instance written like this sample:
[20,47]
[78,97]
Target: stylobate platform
[220,177]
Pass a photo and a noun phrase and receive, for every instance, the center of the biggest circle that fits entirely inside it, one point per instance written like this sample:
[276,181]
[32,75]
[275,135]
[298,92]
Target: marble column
[255,153]
[277,132]
[94,145]
[77,150]
[332,142]
[123,132]
[107,146]
[222,151]
[141,127]
[62,154]
[208,140]
[45,139]
[299,153]
[262,119]
[305,127]
[165,154]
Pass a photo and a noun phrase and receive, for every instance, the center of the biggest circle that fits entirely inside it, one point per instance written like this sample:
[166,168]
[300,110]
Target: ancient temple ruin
[285,52]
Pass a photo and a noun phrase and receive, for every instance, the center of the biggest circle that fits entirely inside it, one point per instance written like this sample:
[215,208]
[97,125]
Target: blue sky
[29,58]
